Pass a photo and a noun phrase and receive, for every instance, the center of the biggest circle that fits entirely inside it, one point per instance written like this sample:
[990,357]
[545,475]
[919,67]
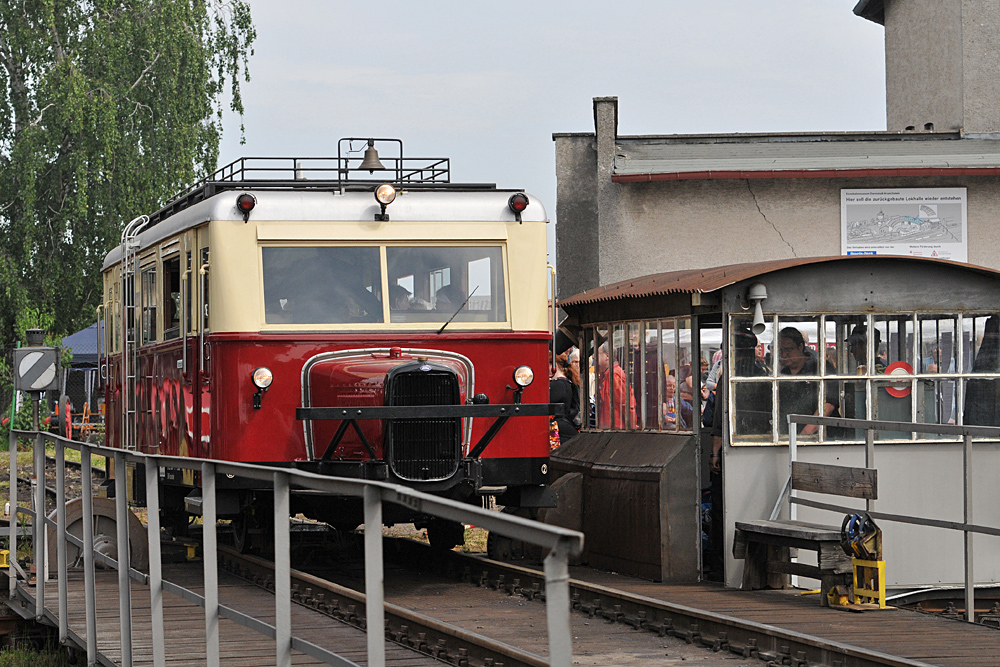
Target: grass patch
[28,656]
[475,540]
[73,455]
[25,458]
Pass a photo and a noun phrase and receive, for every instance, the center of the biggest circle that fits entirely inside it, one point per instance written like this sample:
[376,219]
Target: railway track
[76,466]
[717,632]
[445,642]
[450,643]
[599,608]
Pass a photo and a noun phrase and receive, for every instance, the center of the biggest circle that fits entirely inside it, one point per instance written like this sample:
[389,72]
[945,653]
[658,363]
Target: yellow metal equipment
[861,539]
[869,580]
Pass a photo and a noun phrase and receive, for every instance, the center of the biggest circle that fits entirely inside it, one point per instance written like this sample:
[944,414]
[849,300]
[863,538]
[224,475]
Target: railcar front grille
[423,449]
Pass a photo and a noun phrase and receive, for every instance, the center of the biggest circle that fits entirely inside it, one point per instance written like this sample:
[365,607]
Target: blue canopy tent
[83,343]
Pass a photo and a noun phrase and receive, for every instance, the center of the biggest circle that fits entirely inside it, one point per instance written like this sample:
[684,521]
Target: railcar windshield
[344,285]
[431,284]
[322,285]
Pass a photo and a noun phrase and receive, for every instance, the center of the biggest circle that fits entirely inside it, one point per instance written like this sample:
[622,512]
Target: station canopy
[701,281]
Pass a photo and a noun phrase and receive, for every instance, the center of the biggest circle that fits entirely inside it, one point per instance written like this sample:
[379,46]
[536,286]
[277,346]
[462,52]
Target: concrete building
[637,213]
[633,205]
[941,63]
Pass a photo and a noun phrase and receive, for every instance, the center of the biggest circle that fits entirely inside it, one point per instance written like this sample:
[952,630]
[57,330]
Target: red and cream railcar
[257,300]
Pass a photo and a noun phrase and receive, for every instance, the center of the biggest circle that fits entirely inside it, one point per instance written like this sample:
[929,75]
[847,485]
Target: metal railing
[334,170]
[967,433]
[559,542]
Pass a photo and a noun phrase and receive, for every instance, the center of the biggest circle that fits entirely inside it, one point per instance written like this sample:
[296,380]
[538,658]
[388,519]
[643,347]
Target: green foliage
[26,655]
[33,318]
[106,108]
[29,318]
[22,422]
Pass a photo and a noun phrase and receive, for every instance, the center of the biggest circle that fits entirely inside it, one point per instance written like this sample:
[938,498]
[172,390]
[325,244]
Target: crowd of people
[613,397]
[564,389]
[670,406]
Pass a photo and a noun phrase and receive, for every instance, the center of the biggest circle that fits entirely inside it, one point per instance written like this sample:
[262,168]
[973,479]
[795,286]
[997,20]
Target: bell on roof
[371,161]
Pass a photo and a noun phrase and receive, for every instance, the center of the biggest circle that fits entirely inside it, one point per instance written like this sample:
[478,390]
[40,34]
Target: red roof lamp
[245,203]
[517,203]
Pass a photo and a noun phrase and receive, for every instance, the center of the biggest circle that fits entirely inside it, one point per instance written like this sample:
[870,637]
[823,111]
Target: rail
[967,433]
[303,172]
[560,543]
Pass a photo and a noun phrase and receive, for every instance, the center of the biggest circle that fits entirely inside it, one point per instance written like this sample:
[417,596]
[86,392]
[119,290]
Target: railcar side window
[148,295]
[171,298]
[799,356]
[751,357]
[115,306]
[982,395]
[204,291]
[622,396]
[603,379]
[896,334]
[322,285]
[188,283]
[431,284]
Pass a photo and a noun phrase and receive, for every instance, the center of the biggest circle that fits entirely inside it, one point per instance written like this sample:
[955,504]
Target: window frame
[169,255]
[386,324]
[148,265]
[664,328]
[869,375]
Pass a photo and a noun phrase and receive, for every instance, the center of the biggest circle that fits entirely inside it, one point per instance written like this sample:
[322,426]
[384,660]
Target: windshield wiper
[459,309]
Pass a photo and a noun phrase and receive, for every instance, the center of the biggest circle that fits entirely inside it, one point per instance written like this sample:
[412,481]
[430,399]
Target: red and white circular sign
[899,389]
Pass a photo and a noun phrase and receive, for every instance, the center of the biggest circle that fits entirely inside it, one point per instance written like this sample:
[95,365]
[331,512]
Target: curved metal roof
[316,205]
[691,281]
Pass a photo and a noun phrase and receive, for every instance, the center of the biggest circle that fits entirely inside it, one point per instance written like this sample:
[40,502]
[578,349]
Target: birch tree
[108,107]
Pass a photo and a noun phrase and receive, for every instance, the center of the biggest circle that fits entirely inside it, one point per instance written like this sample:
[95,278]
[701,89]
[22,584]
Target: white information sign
[917,222]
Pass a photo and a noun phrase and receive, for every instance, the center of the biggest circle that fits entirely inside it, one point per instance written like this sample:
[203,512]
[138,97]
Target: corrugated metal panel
[816,152]
[692,281]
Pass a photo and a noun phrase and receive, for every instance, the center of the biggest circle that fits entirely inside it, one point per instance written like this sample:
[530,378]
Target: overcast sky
[487,84]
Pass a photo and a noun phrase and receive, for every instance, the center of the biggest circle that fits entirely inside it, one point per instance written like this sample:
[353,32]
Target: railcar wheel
[244,528]
[445,535]
[105,534]
[175,522]
[503,548]
[253,528]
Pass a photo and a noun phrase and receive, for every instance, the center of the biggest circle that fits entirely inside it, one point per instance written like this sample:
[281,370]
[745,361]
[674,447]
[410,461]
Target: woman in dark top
[564,388]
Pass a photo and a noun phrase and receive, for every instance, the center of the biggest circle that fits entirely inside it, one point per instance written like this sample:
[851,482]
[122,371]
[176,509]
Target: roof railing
[347,168]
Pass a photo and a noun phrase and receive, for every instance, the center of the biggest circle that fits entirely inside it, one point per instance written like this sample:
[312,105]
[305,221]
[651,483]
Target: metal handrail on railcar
[560,542]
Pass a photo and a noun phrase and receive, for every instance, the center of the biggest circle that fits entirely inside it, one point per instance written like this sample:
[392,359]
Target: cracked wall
[675,225]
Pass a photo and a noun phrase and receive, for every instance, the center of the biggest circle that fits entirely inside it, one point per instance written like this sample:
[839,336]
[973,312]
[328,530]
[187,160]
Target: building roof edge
[873,10]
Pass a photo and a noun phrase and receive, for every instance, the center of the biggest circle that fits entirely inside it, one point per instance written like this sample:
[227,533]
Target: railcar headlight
[523,376]
[385,194]
[262,377]
[517,203]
